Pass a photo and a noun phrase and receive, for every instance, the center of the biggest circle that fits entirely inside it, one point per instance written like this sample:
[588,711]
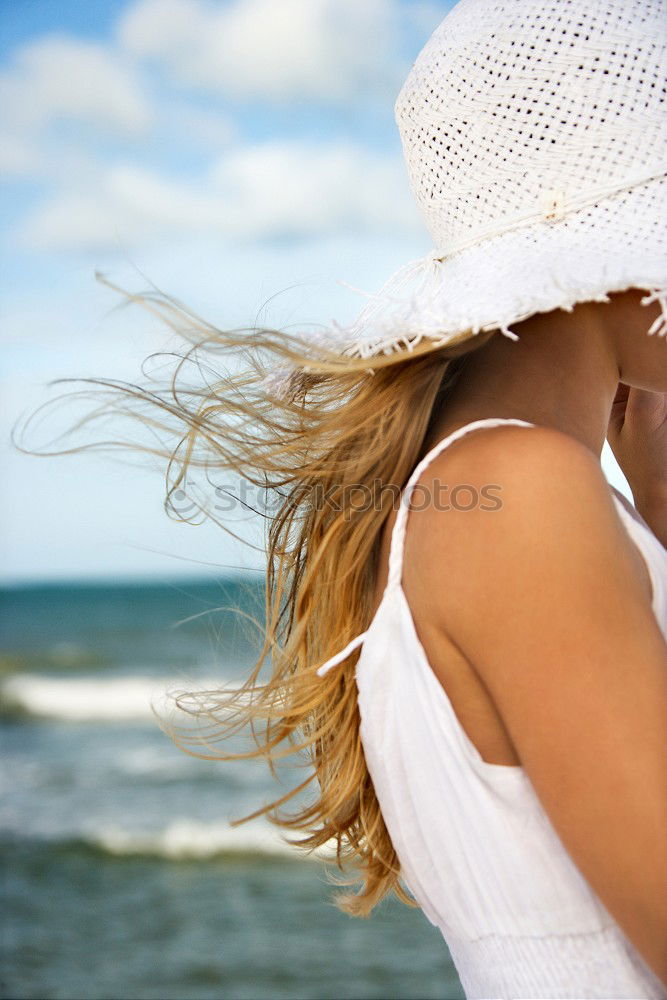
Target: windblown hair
[347,425]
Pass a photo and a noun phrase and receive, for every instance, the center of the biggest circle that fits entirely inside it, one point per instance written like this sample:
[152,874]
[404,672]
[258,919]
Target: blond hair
[347,423]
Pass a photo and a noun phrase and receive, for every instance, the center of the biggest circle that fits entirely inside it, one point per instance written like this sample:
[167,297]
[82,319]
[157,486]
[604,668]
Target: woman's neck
[561,373]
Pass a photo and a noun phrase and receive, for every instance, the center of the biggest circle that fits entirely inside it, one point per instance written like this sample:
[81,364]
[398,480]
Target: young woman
[467,626]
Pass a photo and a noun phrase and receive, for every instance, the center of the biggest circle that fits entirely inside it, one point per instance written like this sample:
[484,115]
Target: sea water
[122,875]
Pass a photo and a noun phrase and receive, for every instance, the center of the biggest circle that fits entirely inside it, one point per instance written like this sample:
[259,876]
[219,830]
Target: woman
[547,630]
[481,687]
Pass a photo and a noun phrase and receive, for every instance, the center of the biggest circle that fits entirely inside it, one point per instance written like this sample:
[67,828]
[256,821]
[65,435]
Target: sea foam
[78,699]
[183,839]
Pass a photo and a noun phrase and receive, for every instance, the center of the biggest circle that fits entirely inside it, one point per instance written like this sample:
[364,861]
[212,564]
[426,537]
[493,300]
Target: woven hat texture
[535,140]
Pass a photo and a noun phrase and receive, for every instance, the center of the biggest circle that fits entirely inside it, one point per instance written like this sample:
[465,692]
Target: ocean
[122,876]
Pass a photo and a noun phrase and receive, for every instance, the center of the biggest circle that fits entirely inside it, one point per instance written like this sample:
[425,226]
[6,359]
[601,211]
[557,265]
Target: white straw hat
[535,139]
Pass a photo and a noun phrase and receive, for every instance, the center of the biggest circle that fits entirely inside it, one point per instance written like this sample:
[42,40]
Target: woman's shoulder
[510,505]
[511,478]
[515,450]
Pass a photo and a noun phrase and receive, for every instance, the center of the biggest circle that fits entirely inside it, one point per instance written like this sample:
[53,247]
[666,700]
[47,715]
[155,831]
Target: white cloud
[71,221]
[59,78]
[61,164]
[17,157]
[101,199]
[297,187]
[95,92]
[292,49]
[252,193]
[130,207]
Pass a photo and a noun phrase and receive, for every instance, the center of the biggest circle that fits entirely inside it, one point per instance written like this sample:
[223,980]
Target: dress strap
[398,533]
[344,653]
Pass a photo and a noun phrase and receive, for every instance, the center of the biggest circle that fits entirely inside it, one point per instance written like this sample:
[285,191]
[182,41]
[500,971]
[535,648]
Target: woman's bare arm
[545,599]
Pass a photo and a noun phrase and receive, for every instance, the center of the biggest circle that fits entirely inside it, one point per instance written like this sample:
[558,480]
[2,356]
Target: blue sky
[241,155]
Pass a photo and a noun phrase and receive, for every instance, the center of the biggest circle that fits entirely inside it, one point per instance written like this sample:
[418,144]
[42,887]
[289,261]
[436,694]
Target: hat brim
[616,244]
